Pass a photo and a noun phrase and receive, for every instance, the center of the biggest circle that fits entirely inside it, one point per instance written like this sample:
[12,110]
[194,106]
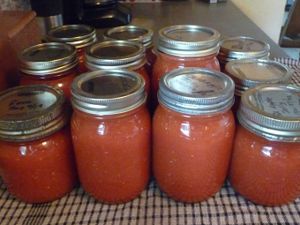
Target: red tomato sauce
[265,172]
[191,153]
[39,171]
[113,154]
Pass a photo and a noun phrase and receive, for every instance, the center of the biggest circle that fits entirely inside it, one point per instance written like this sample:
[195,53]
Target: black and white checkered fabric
[152,207]
[295,67]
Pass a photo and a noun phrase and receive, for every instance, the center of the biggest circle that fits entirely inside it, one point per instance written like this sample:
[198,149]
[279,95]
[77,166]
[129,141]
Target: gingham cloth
[152,207]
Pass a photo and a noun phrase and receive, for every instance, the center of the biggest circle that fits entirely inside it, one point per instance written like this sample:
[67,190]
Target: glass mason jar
[111,134]
[248,73]
[193,131]
[54,64]
[242,47]
[135,33]
[109,55]
[184,46]
[36,154]
[78,35]
[265,165]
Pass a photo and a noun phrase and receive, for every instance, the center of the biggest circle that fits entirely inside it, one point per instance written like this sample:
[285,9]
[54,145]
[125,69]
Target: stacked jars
[111,134]
[265,166]
[249,73]
[138,34]
[79,36]
[36,157]
[54,64]
[242,47]
[184,46]
[109,55]
[193,130]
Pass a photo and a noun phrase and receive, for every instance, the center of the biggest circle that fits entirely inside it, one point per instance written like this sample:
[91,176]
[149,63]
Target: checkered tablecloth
[152,207]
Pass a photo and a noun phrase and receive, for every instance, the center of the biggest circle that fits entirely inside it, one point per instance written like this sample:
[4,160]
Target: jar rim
[31,112]
[175,40]
[108,92]
[196,91]
[272,111]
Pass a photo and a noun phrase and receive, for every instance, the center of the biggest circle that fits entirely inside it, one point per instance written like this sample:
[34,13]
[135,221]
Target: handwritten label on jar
[196,84]
[278,103]
[24,104]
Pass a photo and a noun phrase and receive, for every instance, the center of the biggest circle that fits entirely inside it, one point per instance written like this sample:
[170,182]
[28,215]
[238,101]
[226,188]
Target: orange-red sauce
[265,172]
[61,80]
[191,153]
[113,154]
[39,171]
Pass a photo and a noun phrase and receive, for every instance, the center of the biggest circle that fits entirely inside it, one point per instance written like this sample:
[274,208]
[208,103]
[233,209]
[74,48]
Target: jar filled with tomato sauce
[53,64]
[36,153]
[193,131]
[116,54]
[78,35]
[135,33]
[242,47]
[248,73]
[265,165]
[184,46]
[111,134]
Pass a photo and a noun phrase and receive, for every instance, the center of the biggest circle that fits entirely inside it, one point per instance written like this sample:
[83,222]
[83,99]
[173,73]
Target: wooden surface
[224,17]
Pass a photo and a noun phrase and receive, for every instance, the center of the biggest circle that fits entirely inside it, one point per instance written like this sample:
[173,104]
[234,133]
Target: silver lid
[272,112]
[115,55]
[78,35]
[188,40]
[108,92]
[196,91]
[242,48]
[48,58]
[130,33]
[248,73]
[31,112]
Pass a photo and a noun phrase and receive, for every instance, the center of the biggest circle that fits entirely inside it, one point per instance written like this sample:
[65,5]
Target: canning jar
[248,73]
[184,46]
[109,55]
[111,134]
[242,47]
[135,33]
[265,165]
[78,35]
[193,130]
[54,64]
[36,153]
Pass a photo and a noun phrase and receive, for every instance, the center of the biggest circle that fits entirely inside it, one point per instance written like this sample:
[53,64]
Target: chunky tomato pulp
[81,61]
[62,81]
[112,154]
[39,171]
[191,153]
[266,172]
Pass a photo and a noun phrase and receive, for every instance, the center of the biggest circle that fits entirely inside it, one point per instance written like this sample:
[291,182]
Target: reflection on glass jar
[265,166]
[193,130]
[111,134]
[36,156]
